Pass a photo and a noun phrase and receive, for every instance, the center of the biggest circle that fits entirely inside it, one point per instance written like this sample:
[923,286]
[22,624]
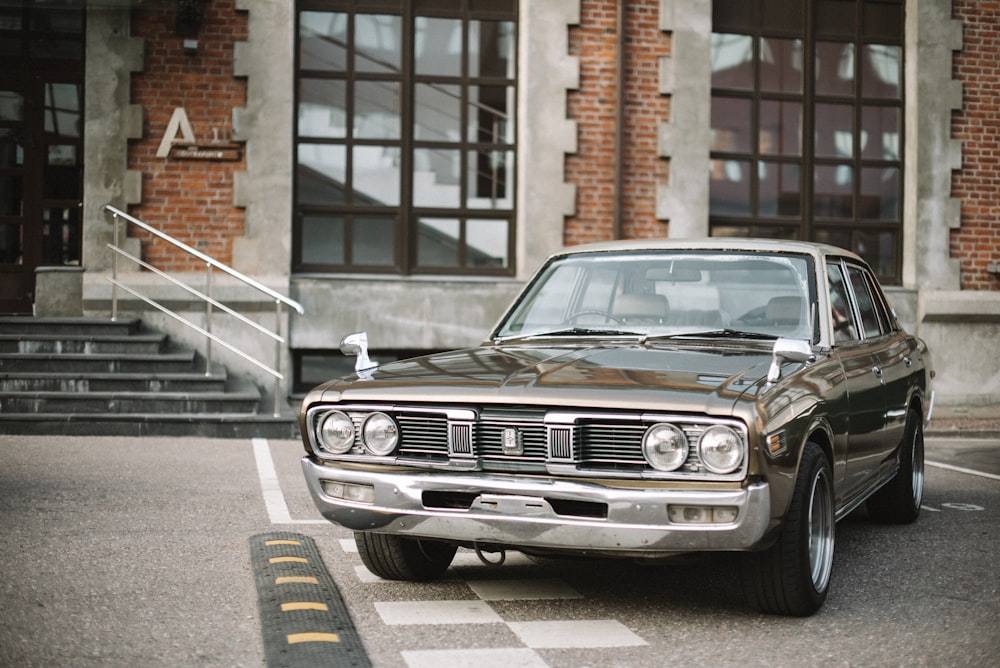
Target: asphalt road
[123,552]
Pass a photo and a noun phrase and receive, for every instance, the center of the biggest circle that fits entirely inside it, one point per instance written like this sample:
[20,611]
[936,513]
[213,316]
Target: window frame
[407,217]
[855,229]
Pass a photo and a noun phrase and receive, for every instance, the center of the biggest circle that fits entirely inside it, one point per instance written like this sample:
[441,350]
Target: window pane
[879,249]
[61,236]
[489,181]
[869,317]
[780,128]
[834,236]
[11,148]
[377,43]
[323,41]
[732,61]
[438,241]
[835,17]
[780,189]
[322,108]
[879,193]
[10,243]
[781,65]
[834,130]
[832,191]
[62,173]
[321,174]
[882,20]
[436,174]
[841,314]
[376,110]
[10,195]
[322,239]
[882,70]
[373,241]
[491,49]
[438,46]
[375,175]
[880,133]
[437,112]
[486,243]
[11,105]
[758,231]
[491,114]
[62,109]
[729,191]
[783,15]
[834,68]
[731,123]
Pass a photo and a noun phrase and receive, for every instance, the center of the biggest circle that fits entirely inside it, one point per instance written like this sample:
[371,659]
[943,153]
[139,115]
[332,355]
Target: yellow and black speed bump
[304,621]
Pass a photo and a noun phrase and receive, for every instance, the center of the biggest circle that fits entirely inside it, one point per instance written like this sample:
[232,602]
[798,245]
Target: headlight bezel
[380,444]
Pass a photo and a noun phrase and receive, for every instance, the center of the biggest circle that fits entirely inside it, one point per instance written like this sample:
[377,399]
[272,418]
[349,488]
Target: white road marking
[274,500]
[522,590]
[469,611]
[959,469]
[579,633]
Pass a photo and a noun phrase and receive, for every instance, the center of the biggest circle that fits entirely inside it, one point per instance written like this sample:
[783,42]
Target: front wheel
[397,558]
[792,577]
[898,502]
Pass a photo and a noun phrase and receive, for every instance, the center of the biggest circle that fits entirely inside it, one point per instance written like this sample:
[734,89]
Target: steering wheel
[604,314]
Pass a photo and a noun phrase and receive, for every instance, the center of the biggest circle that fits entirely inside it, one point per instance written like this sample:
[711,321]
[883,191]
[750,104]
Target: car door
[892,351]
[863,378]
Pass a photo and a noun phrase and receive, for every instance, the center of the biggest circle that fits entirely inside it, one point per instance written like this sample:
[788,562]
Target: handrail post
[277,357]
[208,318]
[114,269]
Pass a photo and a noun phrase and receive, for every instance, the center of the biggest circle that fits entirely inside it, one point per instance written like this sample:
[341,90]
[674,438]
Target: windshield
[667,293]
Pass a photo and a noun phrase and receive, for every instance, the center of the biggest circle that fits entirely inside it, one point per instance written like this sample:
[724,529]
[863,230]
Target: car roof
[816,250]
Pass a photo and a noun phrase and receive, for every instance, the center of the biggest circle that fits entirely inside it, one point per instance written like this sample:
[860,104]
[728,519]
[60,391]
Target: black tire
[898,502]
[397,558]
[792,577]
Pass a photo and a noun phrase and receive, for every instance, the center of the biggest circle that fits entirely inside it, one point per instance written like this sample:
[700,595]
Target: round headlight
[720,449]
[380,434]
[665,447]
[336,433]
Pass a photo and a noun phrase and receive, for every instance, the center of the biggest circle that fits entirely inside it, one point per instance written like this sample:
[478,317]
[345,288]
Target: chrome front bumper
[515,511]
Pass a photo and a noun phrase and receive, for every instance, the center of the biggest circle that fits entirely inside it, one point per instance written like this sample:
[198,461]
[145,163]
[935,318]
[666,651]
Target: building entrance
[41,146]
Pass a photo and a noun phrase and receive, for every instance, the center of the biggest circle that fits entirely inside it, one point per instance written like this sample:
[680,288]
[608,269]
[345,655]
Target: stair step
[134,344]
[113,382]
[73,326]
[244,400]
[166,362]
[218,425]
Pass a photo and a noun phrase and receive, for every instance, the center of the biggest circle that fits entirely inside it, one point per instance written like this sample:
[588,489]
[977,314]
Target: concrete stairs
[88,376]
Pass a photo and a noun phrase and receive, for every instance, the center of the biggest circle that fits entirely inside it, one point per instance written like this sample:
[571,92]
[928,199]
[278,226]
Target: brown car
[640,399]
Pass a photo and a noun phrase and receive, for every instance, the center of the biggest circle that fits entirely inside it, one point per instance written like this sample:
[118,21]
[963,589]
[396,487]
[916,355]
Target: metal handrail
[210,302]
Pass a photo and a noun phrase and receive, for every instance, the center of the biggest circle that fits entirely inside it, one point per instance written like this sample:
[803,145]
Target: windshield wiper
[571,331]
[725,333]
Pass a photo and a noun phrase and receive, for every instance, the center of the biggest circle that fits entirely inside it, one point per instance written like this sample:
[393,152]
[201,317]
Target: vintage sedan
[640,399]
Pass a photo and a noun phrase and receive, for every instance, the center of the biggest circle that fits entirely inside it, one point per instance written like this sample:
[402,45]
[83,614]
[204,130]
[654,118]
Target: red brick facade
[592,168]
[191,200]
[977,125]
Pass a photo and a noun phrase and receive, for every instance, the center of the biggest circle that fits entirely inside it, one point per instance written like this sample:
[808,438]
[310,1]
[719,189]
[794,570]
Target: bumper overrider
[536,512]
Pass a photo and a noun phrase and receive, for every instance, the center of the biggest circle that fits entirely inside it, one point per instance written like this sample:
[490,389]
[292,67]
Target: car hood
[696,377]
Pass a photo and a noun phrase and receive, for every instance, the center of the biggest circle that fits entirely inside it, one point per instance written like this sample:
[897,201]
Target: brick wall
[191,200]
[592,168]
[977,125]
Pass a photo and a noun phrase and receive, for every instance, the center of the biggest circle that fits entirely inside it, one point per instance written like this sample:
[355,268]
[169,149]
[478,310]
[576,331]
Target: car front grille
[532,440]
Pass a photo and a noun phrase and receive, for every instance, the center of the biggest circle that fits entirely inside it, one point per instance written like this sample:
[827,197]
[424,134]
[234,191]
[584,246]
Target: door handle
[877,370]
[907,361]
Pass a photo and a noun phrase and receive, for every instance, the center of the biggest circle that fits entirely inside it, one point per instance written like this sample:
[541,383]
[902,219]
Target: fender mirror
[356,344]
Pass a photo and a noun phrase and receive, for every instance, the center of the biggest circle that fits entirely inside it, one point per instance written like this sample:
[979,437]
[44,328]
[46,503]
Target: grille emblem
[513,443]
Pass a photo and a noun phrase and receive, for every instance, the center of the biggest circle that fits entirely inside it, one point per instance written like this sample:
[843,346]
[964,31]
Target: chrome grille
[423,435]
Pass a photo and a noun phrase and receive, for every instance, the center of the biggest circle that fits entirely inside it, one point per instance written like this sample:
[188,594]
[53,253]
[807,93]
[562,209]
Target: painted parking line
[274,499]
[304,621]
[959,469]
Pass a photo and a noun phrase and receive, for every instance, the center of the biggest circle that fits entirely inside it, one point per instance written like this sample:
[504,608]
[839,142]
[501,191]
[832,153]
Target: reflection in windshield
[667,294]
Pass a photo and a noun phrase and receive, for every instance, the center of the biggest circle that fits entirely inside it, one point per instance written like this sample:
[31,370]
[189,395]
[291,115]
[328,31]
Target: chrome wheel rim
[917,467]
[821,531]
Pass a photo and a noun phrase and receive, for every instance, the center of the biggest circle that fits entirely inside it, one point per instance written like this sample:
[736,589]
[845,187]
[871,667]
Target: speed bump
[304,621]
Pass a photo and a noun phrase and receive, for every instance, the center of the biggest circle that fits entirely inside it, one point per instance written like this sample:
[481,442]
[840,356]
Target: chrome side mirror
[357,344]
[788,350]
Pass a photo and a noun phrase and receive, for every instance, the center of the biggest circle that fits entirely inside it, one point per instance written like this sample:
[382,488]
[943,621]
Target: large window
[405,136]
[807,124]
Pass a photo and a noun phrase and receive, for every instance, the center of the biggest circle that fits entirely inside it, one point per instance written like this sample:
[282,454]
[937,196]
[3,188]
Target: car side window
[841,315]
[873,321]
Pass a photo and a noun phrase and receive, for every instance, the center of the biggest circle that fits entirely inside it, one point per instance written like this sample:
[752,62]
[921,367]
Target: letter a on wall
[178,122]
